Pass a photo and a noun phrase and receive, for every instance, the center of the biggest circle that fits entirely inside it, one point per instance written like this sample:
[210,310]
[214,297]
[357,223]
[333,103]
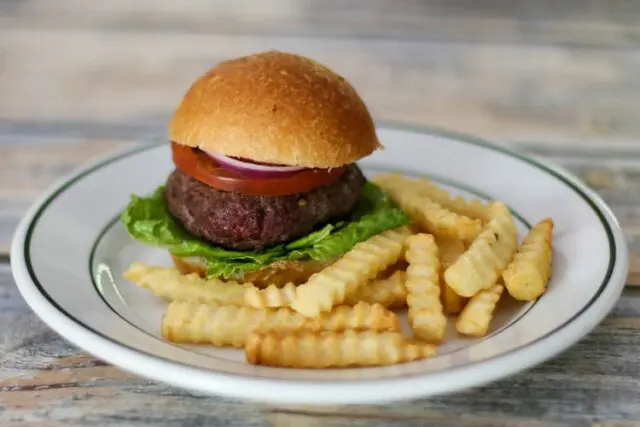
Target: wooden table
[554,79]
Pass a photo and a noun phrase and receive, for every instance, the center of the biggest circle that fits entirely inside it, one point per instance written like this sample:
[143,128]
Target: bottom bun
[278,274]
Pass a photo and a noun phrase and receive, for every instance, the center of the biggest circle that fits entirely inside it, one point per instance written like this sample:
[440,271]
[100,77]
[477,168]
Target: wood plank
[44,379]
[29,165]
[505,92]
[582,23]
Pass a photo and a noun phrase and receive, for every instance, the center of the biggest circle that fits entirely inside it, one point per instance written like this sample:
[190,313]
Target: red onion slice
[252,169]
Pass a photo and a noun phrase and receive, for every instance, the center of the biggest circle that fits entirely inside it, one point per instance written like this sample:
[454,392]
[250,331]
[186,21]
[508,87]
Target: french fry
[361,316]
[226,325]
[477,314]
[425,212]
[489,254]
[333,285]
[425,187]
[452,302]
[527,276]
[270,297]
[432,217]
[169,284]
[220,325]
[426,316]
[389,292]
[334,350]
[450,250]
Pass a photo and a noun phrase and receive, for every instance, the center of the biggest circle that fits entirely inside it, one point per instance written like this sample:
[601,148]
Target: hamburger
[266,188]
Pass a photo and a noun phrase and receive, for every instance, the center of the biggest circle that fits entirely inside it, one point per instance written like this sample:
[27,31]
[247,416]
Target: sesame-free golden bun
[276,107]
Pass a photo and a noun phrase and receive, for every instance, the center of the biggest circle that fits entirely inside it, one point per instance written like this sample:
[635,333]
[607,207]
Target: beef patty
[242,222]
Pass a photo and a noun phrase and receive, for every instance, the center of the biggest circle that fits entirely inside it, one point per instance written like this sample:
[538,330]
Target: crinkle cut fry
[489,254]
[271,296]
[478,313]
[169,284]
[426,316]
[334,350]
[527,276]
[365,261]
[427,213]
[389,292]
[450,250]
[425,187]
[221,325]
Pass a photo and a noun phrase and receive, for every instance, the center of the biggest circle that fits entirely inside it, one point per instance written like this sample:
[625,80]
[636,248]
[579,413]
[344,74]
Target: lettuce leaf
[148,220]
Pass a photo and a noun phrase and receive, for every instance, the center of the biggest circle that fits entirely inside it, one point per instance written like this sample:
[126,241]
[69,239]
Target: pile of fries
[452,264]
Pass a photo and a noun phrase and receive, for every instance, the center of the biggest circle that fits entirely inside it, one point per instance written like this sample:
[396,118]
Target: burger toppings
[250,179]
[254,169]
[149,220]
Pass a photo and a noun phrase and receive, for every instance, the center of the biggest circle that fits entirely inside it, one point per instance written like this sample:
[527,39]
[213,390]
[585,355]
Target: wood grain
[557,71]
[578,22]
[498,91]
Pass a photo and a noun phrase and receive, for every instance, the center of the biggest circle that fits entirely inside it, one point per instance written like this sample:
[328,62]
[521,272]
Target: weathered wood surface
[577,22]
[502,91]
[557,79]
[540,71]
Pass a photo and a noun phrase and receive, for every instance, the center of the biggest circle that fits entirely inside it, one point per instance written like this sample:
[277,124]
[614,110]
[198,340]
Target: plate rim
[291,391]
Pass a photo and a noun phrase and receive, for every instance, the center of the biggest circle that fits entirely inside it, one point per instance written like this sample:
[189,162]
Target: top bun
[276,107]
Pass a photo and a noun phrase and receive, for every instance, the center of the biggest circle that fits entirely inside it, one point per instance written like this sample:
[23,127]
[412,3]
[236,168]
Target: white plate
[69,253]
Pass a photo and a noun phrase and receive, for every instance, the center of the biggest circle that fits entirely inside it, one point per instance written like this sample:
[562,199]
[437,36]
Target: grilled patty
[242,222]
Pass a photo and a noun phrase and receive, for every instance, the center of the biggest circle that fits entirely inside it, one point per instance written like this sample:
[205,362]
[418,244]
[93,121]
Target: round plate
[70,251]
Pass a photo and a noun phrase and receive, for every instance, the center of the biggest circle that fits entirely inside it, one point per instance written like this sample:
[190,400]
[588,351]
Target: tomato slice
[203,168]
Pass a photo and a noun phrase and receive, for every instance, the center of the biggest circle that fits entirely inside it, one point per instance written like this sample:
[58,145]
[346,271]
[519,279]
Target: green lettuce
[148,220]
